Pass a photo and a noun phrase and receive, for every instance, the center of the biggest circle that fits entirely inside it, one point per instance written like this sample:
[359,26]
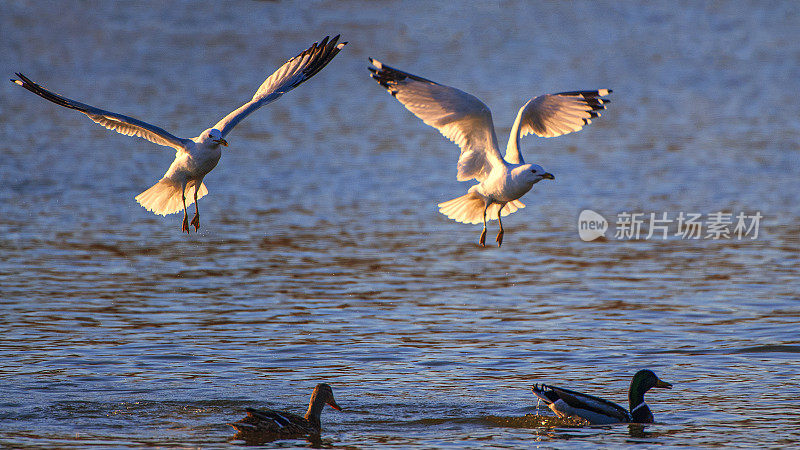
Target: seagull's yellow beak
[548,176]
[222,142]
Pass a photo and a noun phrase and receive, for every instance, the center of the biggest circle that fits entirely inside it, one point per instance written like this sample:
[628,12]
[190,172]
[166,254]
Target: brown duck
[262,424]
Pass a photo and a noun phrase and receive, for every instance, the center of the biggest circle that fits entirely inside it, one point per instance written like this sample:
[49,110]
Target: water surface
[322,257]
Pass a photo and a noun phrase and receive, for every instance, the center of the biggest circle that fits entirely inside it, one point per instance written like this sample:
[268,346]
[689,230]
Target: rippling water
[322,256]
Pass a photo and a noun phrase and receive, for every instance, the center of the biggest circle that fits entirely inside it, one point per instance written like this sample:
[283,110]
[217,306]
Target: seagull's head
[533,173]
[215,136]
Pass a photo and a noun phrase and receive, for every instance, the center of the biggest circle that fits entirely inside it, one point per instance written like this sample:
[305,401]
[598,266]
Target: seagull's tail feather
[465,209]
[165,196]
[511,207]
[469,208]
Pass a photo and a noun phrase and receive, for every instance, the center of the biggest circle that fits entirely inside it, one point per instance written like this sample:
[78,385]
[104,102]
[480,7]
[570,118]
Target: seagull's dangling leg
[482,241]
[500,233]
[185,225]
[196,219]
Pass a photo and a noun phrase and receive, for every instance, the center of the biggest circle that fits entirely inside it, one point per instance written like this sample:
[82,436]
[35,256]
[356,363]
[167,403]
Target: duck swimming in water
[598,411]
[264,424]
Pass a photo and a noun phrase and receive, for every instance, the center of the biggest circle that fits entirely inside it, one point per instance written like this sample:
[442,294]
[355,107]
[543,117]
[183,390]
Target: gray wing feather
[459,116]
[553,115]
[293,73]
[595,404]
[120,123]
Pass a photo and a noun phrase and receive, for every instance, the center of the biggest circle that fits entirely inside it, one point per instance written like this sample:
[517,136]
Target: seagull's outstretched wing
[459,116]
[289,76]
[553,115]
[113,121]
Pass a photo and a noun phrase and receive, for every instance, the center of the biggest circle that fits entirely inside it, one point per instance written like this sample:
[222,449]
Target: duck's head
[213,135]
[644,380]
[533,173]
[324,393]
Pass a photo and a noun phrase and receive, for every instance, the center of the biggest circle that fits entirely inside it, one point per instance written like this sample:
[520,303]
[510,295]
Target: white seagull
[197,156]
[465,120]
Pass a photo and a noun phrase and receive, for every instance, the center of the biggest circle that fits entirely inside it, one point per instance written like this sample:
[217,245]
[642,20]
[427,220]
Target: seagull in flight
[196,157]
[467,121]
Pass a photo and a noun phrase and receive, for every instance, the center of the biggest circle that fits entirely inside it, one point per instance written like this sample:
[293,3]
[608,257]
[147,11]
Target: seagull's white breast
[195,163]
[205,158]
[504,186]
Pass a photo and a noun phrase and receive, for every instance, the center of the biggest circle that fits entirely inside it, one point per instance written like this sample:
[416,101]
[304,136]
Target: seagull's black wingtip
[22,81]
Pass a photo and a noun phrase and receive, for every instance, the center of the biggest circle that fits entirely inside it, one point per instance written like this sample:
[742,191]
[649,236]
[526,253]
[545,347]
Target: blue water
[322,257]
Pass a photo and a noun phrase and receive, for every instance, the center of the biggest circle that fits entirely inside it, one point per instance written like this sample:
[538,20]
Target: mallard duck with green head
[597,411]
[261,424]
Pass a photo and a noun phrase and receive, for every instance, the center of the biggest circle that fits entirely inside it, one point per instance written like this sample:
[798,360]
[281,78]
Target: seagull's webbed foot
[482,240]
[185,224]
[500,238]
[196,222]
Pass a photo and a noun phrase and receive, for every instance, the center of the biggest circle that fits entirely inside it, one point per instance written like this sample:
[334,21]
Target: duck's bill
[222,142]
[663,384]
[333,404]
[548,176]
